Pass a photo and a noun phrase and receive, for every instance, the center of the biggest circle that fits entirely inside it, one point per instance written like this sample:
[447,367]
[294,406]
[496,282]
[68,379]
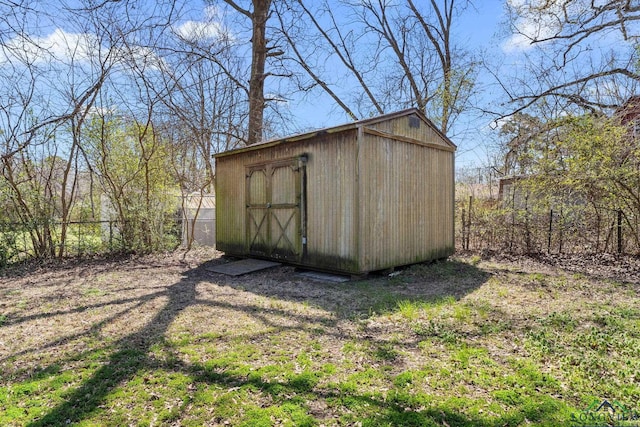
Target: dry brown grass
[161,340]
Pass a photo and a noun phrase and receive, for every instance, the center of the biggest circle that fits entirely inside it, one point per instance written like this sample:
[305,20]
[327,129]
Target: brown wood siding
[230,196]
[331,202]
[330,198]
[414,128]
[379,194]
[232,189]
[406,203]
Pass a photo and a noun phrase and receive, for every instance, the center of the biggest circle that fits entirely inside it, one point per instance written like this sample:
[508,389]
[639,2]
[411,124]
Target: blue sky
[480,30]
[58,40]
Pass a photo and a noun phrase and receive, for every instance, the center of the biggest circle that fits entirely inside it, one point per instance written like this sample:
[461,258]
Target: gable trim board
[349,126]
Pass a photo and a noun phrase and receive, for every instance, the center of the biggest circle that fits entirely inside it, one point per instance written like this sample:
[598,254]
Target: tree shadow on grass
[131,356]
[376,293]
[134,352]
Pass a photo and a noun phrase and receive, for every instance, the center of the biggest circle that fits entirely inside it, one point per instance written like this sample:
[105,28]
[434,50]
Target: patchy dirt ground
[178,317]
[625,268]
[48,308]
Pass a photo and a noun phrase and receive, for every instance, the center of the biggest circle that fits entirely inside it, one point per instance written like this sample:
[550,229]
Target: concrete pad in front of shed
[324,277]
[238,268]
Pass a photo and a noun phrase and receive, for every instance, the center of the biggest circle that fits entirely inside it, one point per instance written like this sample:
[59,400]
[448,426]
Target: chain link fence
[493,225]
[22,241]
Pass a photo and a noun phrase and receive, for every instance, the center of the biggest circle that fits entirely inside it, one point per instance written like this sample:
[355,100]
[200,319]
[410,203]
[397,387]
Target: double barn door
[274,209]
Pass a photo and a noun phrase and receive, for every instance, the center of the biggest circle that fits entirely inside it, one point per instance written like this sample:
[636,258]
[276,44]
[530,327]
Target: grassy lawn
[466,342]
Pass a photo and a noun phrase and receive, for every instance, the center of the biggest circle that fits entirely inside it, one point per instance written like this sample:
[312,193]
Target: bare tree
[54,83]
[581,54]
[45,95]
[202,108]
[258,14]
[395,54]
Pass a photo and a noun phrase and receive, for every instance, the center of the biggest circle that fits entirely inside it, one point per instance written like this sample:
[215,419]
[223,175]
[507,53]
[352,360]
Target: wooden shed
[366,196]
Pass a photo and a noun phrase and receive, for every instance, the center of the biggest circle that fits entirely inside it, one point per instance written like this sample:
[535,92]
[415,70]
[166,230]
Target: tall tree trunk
[259,53]
[258,58]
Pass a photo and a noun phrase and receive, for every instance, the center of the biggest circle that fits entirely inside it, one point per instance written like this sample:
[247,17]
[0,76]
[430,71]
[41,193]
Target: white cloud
[102,111]
[210,27]
[146,58]
[198,30]
[276,98]
[534,22]
[81,46]
[66,48]
[58,46]
[499,123]
[516,43]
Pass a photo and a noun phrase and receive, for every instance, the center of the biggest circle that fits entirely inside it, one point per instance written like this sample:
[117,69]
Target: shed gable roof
[345,127]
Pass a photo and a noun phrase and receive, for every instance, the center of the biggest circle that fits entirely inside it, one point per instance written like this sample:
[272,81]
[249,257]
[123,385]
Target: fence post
[469,222]
[527,229]
[513,217]
[561,234]
[550,230]
[24,242]
[619,231]
[464,230]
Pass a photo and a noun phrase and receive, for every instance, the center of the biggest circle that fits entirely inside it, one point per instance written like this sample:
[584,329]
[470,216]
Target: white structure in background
[199,218]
